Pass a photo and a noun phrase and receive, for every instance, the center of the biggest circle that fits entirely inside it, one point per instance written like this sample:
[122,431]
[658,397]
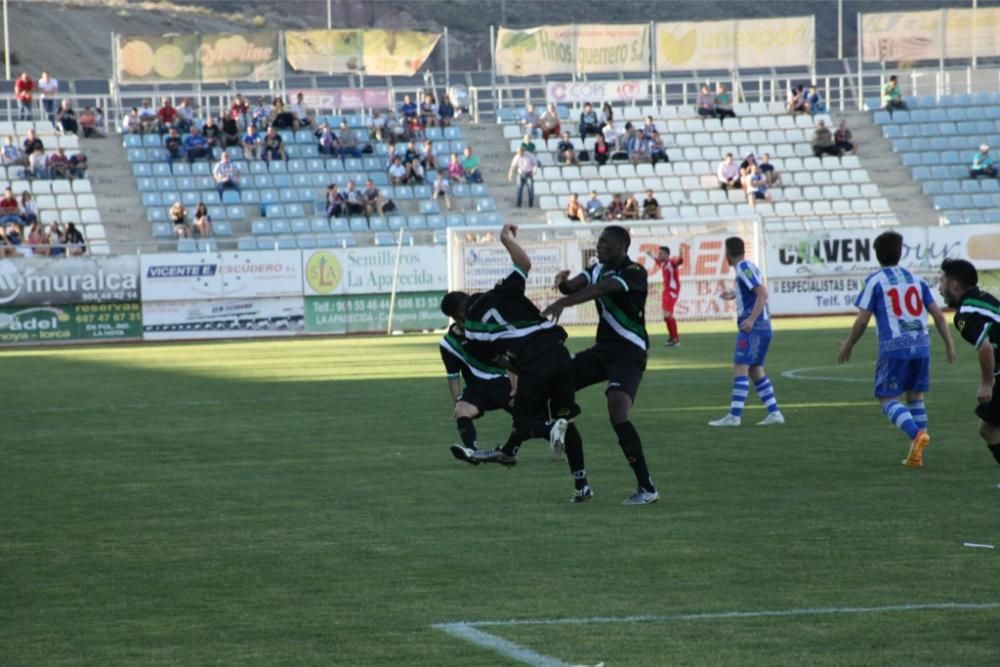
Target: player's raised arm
[942,326]
[514,249]
[567,285]
[857,331]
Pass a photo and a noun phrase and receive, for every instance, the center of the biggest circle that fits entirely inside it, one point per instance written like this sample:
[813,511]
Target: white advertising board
[226,318]
[187,276]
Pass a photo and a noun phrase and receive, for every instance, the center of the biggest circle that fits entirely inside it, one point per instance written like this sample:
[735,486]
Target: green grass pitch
[294,503]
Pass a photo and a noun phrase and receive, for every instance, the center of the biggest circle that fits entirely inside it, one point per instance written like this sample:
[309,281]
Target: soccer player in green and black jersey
[487,388]
[505,326]
[618,286]
[977,318]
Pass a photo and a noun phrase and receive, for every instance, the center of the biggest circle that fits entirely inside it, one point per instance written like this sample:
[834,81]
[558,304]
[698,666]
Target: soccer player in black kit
[977,318]
[505,326]
[618,286]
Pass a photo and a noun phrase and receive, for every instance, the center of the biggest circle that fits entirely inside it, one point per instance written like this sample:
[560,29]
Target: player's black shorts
[487,396]
[620,366]
[545,387]
[989,412]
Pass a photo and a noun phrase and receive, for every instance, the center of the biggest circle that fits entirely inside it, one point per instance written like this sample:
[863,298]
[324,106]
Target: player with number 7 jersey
[900,303]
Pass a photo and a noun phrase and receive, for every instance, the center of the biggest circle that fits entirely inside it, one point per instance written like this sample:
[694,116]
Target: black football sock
[467,431]
[628,440]
[574,455]
[996,451]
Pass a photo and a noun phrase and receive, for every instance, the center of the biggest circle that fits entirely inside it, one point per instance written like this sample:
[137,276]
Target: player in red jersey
[671,290]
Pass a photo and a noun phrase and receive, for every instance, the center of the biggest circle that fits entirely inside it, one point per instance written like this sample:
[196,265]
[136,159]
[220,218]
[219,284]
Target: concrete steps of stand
[117,193]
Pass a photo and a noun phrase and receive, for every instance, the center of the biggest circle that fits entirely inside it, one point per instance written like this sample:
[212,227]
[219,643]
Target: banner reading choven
[377,52]
[737,43]
[565,49]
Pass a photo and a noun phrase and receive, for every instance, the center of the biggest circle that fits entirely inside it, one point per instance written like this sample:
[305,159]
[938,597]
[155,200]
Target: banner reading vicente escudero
[565,49]
[736,43]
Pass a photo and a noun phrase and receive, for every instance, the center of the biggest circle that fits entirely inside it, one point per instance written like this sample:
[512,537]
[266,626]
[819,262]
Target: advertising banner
[81,322]
[821,272]
[209,57]
[733,44]
[377,52]
[596,92]
[187,276]
[370,270]
[228,318]
[347,99]
[37,281]
[568,49]
[908,36]
[362,313]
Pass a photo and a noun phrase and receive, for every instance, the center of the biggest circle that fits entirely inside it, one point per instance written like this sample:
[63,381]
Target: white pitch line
[468,630]
[796,374]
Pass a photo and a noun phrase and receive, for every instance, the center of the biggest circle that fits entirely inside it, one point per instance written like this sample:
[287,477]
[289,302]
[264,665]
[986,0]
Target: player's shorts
[669,301]
[751,348]
[487,396]
[545,387]
[896,376]
[989,412]
[621,367]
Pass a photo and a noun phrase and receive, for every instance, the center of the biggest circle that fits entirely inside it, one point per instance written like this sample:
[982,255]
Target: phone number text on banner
[79,322]
[366,313]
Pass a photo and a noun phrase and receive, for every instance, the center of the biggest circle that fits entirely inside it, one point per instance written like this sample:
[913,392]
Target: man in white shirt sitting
[226,174]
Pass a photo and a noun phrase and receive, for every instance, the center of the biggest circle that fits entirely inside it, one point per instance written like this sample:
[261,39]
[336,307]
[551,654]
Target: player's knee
[756,372]
[989,433]
[619,407]
[463,409]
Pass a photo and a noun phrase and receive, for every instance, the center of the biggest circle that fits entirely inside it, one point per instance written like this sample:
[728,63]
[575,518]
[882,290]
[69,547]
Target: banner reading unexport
[734,44]
[568,49]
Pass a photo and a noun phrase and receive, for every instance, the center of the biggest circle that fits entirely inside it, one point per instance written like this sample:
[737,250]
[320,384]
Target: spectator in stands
[328,144]
[90,124]
[650,207]
[226,174]
[196,146]
[274,147]
[352,200]
[649,127]
[212,132]
[631,208]
[749,160]
[66,119]
[74,240]
[260,116]
[429,111]
[301,112]
[48,92]
[528,144]
[348,142]
[410,153]
[393,127]
[589,123]
[728,173]
[530,120]
[179,216]
[822,141]
[167,115]
[24,89]
[616,209]
[594,209]
[575,210]
[638,148]
[252,144]
[334,202]
[982,163]
[36,241]
[32,143]
[796,100]
[239,109]
[10,154]
[230,132]
[408,109]
[892,96]
[78,165]
[397,171]
[723,103]
[843,138]
[766,168]
[9,208]
[172,144]
[524,165]
[415,174]
[185,116]
[202,220]
[470,163]
[814,101]
[442,188]
[657,150]
[376,127]
[706,102]
[56,239]
[549,122]
[612,136]
[607,114]
[428,159]
[456,173]
[565,151]
[59,166]
[148,119]
[130,122]
[372,200]
[756,187]
[38,165]
[29,208]
[602,151]
[446,111]
[282,118]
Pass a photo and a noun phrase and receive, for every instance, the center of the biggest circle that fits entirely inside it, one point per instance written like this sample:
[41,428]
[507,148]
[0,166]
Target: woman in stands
[429,160]
[442,188]
[631,208]
[29,209]
[55,238]
[179,216]
[74,240]
[456,173]
[37,243]
[602,152]
[202,220]
[415,173]
[429,111]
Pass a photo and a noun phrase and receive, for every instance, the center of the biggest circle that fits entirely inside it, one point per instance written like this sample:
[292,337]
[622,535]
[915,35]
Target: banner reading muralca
[253,56]
[568,49]
[42,281]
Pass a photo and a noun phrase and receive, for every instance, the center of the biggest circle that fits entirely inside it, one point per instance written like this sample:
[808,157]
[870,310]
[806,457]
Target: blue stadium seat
[217,212]
[266,242]
[141,169]
[452,133]
[428,206]
[275,211]
[300,226]
[304,137]
[433,133]
[282,180]
[319,225]
[151,199]
[455,220]
[161,169]
[280,226]
[346,241]
[404,192]
[417,222]
[181,169]
[472,220]
[258,167]
[982,201]
[190,198]
[132,141]
[396,222]
[486,204]
[943,202]
[152,140]
[222,228]
[326,241]
[162,230]
[296,166]
[184,183]
[338,225]
[385,239]
[187,245]
[231,197]
[305,241]
[236,212]
[156,214]
[436,222]
[421,191]
[377,224]
[358,224]
[259,227]
[294,210]
[246,243]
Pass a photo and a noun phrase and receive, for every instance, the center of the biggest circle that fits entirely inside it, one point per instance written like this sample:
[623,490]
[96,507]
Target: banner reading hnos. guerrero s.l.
[565,49]
[734,43]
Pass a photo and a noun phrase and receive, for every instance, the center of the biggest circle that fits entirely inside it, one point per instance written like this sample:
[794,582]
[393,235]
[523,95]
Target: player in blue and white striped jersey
[752,341]
[900,302]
